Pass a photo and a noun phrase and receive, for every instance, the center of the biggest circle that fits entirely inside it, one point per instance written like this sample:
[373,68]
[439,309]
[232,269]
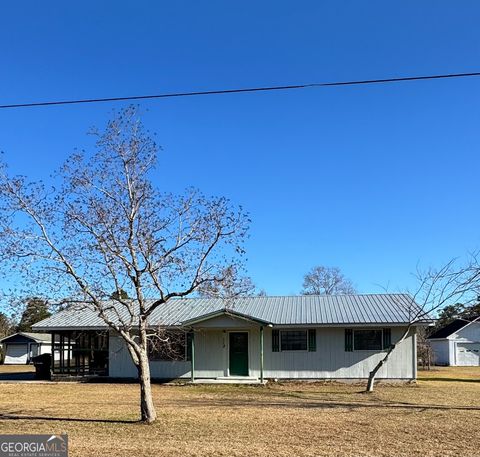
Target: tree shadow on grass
[308,404]
[14,417]
[18,376]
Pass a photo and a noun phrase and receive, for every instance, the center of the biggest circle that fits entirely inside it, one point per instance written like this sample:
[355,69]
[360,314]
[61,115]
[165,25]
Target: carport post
[192,368]
[261,354]
[52,367]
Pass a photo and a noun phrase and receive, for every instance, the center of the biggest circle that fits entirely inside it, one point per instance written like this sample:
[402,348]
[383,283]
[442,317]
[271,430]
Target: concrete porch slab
[229,380]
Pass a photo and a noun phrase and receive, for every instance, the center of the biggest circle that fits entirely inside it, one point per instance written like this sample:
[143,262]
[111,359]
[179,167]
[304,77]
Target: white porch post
[261,354]
[192,368]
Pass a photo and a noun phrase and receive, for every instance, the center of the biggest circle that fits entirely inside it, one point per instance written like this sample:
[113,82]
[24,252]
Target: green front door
[238,354]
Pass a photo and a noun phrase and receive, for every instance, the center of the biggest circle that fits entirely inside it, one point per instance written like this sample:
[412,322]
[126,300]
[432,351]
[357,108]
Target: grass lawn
[438,416]
[7,369]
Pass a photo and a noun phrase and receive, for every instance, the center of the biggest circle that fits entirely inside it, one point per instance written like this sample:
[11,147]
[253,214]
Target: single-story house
[457,344]
[21,347]
[251,338]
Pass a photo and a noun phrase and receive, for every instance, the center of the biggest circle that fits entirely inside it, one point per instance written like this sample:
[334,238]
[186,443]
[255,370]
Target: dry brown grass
[296,419]
[450,373]
[16,369]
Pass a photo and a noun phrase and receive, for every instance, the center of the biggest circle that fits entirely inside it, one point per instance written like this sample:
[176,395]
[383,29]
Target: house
[21,347]
[252,338]
[457,344]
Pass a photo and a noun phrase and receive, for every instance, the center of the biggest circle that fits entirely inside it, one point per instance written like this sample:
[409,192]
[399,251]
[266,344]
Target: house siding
[329,361]
[469,333]
[441,352]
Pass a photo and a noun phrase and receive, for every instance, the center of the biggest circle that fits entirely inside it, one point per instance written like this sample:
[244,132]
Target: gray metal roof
[293,310]
[452,328]
[37,337]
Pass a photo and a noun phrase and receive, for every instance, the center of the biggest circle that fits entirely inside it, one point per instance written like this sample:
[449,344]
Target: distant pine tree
[35,311]
[119,295]
[5,326]
[457,311]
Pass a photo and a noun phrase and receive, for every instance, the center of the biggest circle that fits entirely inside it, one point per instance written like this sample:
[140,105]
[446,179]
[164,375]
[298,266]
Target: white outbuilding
[457,344]
[21,347]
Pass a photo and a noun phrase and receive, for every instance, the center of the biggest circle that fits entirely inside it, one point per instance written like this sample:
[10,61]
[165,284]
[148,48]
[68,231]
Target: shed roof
[35,337]
[451,328]
[280,310]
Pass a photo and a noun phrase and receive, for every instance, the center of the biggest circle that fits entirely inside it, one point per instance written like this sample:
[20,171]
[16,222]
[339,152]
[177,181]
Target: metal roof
[322,310]
[37,337]
[451,328]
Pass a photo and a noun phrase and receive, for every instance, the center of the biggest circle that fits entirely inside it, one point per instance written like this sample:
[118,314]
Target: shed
[21,347]
[458,343]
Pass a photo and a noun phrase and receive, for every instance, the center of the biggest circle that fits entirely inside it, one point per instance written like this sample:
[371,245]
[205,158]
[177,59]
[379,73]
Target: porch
[229,345]
[80,354]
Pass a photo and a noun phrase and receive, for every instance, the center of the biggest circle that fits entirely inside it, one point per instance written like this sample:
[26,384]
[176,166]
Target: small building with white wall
[21,347]
[457,344]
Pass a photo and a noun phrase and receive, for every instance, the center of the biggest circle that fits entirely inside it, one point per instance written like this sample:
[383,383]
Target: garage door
[16,353]
[468,354]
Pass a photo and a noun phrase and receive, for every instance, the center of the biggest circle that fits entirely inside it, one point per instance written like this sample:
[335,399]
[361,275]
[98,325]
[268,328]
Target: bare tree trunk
[147,407]
[373,374]
[383,361]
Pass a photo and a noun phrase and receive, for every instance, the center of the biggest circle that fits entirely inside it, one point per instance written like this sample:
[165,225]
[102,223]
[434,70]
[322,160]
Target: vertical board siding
[329,361]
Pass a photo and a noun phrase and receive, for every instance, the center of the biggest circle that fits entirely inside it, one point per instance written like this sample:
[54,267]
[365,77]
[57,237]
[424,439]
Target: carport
[20,348]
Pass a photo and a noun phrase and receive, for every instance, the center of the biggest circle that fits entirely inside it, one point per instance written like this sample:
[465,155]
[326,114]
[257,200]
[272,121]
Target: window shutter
[189,346]
[275,340]
[387,338]
[312,340]
[348,340]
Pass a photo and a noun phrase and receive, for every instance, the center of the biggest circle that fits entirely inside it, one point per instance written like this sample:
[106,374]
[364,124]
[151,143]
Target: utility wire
[237,91]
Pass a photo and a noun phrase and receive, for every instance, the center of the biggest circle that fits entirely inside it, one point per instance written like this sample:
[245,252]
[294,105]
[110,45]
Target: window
[293,340]
[168,345]
[367,340]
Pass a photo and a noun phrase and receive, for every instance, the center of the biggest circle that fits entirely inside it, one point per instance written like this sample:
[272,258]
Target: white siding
[441,352]
[469,333]
[330,361]
[446,350]
[45,348]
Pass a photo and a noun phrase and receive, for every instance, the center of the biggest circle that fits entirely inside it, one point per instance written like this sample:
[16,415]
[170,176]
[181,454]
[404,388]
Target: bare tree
[234,285]
[425,353]
[105,226]
[437,288]
[322,280]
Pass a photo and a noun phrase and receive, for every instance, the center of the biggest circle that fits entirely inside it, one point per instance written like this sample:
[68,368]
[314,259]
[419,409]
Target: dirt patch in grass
[304,419]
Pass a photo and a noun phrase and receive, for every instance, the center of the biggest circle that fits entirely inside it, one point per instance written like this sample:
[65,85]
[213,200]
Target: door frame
[228,349]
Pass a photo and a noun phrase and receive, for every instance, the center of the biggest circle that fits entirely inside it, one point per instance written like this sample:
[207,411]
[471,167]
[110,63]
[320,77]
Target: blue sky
[371,179]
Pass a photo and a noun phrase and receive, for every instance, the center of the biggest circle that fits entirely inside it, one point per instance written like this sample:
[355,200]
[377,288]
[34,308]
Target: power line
[237,91]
